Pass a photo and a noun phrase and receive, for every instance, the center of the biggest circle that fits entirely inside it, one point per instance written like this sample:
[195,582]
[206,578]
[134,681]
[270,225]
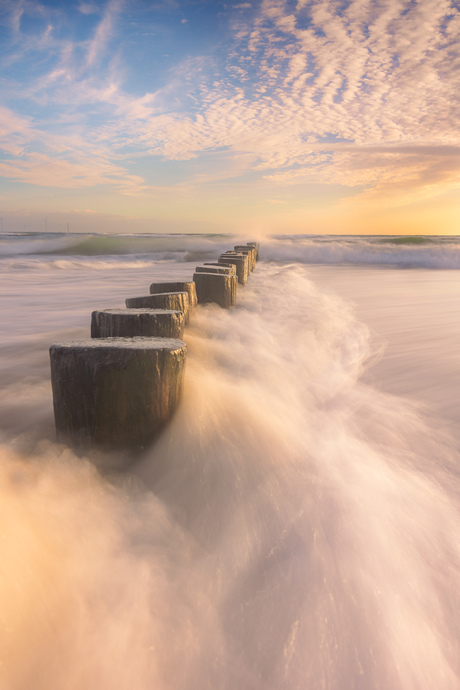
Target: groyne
[119,388]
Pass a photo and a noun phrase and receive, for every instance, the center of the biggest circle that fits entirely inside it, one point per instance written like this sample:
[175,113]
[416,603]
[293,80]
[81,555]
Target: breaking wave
[403,252]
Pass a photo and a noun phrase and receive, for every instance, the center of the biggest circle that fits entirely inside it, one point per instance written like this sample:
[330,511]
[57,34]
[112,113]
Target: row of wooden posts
[119,388]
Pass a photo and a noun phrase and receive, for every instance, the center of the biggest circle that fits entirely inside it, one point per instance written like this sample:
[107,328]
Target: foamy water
[296,526]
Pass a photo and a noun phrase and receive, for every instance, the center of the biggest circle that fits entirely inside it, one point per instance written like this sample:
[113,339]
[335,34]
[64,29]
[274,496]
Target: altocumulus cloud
[360,93]
[331,94]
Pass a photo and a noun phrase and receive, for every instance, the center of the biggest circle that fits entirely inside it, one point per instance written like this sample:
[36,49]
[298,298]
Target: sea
[297,524]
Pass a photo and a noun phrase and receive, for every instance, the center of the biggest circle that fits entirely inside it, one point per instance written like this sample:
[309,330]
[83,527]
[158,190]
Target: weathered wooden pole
[249,251]
[240,261]
[216,287]
[252,251]
[256,245]
[188,287]
[177,301]
[128,323]
[115,392]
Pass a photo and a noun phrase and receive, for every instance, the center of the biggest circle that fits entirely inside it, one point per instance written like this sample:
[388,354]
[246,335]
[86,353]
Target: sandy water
[296,526]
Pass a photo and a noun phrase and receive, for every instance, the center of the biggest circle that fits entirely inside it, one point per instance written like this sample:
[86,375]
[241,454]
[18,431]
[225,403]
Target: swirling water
[296,526]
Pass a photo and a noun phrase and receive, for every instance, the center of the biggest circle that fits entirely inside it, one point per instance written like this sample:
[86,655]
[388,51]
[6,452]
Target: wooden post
[128,323]
[115,392]
[250,252]
[188,287]
[177,301]
[256,245]
[216,287]
[240,261]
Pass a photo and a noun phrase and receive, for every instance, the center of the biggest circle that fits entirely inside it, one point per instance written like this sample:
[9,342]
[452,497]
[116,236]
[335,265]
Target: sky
[268,116]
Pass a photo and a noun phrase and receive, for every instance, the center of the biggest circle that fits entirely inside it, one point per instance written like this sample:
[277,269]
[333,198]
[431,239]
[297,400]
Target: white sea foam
[75,264]
[293,527]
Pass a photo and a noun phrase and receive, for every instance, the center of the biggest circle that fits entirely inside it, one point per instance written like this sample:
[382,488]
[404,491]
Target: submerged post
[128,323]
[115,392]
[216,287]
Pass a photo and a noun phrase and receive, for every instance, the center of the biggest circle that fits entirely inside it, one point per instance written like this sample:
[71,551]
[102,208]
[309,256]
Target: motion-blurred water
[296,526]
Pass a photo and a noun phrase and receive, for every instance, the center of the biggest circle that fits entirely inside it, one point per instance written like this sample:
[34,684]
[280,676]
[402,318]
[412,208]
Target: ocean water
[297,526]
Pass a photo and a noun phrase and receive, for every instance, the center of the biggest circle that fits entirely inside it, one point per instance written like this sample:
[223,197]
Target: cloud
[373,74]
[16,132]
[44,171]
[394,174]
[362,94]
[104,31]
[68,161]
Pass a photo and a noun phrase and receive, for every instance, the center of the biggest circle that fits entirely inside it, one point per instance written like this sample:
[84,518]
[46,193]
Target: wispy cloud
[104,31]
[43,171]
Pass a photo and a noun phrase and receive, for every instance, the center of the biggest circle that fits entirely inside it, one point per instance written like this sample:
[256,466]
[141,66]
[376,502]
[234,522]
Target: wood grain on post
[177,301]
[115,392]
[188,287]
[240,261]
[256,246]
[250,252]
[216,287]
[129,323]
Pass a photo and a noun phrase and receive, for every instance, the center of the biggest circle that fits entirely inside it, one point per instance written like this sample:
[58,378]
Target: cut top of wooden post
[231,267]
[188,287]
[223,270]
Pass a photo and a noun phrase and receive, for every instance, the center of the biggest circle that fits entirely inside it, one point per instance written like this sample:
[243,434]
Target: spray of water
[292,528]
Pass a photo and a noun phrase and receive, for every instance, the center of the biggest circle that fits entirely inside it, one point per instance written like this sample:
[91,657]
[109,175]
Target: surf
[294,526]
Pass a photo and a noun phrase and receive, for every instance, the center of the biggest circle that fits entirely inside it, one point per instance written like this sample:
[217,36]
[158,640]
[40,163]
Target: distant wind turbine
[46,224]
